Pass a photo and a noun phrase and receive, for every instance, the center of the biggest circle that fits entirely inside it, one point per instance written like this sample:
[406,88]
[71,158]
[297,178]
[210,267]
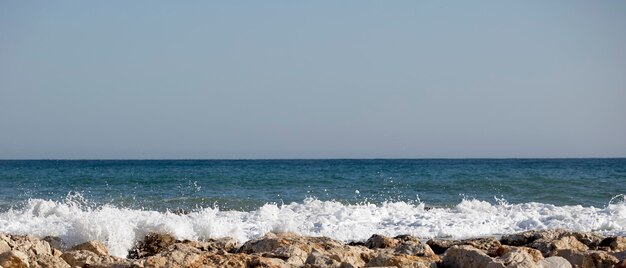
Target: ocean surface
[118,202]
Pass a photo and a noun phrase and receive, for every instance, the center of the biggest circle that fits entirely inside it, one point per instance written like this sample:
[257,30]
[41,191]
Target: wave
[120,227]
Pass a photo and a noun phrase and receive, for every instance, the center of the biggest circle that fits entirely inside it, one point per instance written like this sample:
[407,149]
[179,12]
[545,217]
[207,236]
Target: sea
[120,201]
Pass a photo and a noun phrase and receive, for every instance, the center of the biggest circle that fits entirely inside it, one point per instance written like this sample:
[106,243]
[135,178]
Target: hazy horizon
[312,80]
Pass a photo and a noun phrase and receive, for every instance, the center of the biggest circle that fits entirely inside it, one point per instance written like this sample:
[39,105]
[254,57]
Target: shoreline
[535,248]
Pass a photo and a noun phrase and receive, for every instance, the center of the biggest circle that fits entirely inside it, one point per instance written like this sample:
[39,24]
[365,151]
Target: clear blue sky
[312,79]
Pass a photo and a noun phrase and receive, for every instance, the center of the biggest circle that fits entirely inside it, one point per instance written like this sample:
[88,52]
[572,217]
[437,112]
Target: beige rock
[517,258]
[14,259]
[30,245]
[177,255]
[590,239]
[504,249]
[554,262]
[94,246]
[414,248]
[83,258]
[402,261]
[4,247]
[292,248]
[319,260]
[48,261]
[468,257]
[551,247]
[588,259]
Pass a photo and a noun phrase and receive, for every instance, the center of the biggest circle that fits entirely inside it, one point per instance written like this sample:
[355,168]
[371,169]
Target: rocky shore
[531,249]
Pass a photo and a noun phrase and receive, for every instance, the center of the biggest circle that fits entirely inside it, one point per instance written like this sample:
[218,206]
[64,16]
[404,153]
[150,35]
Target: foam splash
[119,228]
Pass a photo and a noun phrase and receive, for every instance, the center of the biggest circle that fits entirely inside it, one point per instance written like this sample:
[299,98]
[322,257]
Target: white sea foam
[120,227]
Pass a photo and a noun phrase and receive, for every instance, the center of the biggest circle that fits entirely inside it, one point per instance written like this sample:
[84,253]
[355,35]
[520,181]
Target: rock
[517,258]
[527,237]
[619,255]
[4,247]
[319,260]
[177,255]
[468,257]
[14,259]
[502,250]
[614,243]
[152,244]
[228,244]
[30,245]
[413,248]
[48,261]
[621,264]
[485,244]
[82,258]
[402,261]
[54,242]
[554,262]
[551,247]
[94,246]
[292,248]
[590,239]
[589,259]
[380,241]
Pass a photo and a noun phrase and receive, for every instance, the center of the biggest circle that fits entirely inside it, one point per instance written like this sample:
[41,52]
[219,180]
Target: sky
[312,79]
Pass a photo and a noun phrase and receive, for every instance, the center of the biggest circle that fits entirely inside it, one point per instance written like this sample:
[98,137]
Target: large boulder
[504,249]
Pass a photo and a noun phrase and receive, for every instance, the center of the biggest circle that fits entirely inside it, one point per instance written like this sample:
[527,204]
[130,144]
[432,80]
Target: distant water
[120,201]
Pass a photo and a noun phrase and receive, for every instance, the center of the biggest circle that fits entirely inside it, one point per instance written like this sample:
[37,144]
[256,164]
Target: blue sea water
[118,201]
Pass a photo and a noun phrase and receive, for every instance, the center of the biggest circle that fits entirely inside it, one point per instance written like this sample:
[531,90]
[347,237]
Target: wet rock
[589,259]
[14,259]
[94,246]
[380,241]
[614,243]
[85,258]
[554,262]
[551,247]
[468,257]
[152,244]
[486,244]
